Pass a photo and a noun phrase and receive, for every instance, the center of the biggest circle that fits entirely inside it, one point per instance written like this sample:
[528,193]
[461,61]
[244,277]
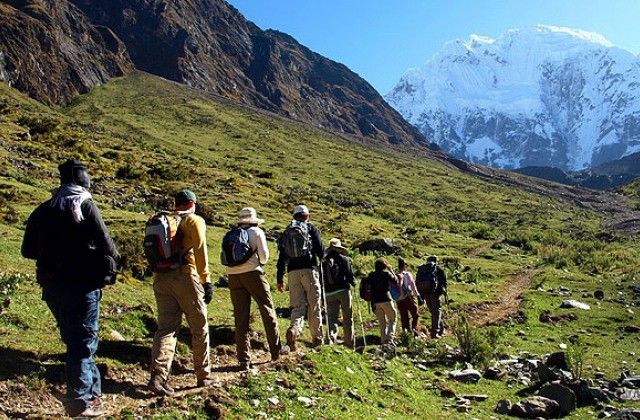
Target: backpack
[395,289]
[236,249]
[161,242]
[296,241]
[331,270]
[366,289]
[426,278]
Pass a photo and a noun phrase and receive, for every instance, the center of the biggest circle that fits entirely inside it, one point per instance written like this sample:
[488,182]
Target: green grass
[144,138]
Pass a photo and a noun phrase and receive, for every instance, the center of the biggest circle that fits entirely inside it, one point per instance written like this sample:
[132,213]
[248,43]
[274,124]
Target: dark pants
[434,305]
[406,307]
[77,314]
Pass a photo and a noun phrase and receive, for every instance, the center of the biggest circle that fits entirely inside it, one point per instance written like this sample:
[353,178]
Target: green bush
[474,344]
[480,230]
[128,171]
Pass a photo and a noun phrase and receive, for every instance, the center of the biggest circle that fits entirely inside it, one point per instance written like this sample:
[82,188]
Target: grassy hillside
[143,138]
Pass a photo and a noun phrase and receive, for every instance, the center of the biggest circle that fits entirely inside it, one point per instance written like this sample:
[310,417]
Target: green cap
[184,196]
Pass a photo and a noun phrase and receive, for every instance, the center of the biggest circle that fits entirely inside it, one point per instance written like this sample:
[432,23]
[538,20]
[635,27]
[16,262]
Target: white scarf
[71,196]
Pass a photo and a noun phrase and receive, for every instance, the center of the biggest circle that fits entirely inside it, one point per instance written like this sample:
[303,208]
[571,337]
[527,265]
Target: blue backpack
[236,249]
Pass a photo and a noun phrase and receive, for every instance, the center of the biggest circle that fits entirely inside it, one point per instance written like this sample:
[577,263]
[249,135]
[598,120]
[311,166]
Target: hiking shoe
[160,387]
[316,343]
[93,411]
[291,340]
[208,382]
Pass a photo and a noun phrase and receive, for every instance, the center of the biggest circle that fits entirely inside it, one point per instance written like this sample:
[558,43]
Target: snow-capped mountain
[541,96]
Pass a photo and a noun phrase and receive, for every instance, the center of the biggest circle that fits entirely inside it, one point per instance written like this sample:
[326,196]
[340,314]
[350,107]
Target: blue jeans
[77,314]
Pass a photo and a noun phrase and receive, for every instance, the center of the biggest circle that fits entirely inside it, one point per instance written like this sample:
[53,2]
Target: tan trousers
[243,287]
[386,314]
[335,303]
[179,293]
[304,297]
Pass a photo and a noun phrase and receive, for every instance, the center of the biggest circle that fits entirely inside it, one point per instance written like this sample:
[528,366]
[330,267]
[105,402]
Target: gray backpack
[295,242]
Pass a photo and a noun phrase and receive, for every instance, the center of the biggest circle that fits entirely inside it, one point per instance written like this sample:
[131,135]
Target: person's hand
[281,287]
[208,292]
[421,301]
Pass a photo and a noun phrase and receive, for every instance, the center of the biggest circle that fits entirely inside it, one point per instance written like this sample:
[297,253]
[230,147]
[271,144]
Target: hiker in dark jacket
[406,303]
[431,286]
[304,280]
[381,280]
[74,254]
[338,281]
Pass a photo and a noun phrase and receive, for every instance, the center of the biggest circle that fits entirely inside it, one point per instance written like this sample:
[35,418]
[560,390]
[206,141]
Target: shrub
[128,172]
[473,343]
[520,239]
[576,355]
[38,125]
[133,259]
[480,230]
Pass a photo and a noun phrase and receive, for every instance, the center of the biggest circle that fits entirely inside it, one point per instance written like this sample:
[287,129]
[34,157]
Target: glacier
[538,96]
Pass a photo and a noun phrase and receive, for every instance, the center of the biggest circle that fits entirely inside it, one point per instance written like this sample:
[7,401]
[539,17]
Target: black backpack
[296,241]
[366,288]
[236,249]
[427,279]
[332,271]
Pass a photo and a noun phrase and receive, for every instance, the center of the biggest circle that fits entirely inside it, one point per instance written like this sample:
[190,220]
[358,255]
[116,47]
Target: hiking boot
[316,343]
[160,387]
[291,340]
[208,382]
[91,411]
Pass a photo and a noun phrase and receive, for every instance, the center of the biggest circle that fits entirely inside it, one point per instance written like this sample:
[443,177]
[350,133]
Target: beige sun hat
[248,216]
[336,243]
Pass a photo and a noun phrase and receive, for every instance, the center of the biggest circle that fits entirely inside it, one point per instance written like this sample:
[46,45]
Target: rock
[273,400]
[534,407]
[628,394]
[306,401]
[558,360]
[545,374]
[354,395]
[466,375]
[503,407]
[447,393]
[384,246]
[493,373]
[255,403]
[570,303]
[631,382]
[630,329]
[598,294]
[116,336]
[628,414]
[476,397]
[562,346]
[564,396]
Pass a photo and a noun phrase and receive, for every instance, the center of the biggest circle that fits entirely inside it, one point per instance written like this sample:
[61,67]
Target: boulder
[465,375]
[631,382]
[628,394]
[598,294]
[558,360]
[503,407]
[534,407]
[382,245]
[493,373]
[570,303]
[564,396]
[628,414]
[545,374]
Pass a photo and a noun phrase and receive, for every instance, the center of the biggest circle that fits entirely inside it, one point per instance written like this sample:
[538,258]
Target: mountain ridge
[542,96]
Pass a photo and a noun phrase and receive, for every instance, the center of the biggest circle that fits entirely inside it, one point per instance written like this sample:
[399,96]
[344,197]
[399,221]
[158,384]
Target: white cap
[300,209]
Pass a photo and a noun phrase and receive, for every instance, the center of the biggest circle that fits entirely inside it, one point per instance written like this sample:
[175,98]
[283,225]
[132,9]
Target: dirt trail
[508,302]
[474,252]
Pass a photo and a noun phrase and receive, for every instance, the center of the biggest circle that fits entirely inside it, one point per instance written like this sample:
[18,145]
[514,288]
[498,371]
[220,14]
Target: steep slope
[205,44]
[49,50]
[542,96]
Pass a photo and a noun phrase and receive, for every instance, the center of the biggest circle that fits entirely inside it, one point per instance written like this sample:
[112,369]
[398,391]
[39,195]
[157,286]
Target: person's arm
[412,284]
[98,230]
[349,272]
[261,247]
[443,278]
[29,247]
[281,266]
[195,238]
[316,242]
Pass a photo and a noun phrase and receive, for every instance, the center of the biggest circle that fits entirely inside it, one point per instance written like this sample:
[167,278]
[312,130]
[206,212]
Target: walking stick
[324,298]
[364,337]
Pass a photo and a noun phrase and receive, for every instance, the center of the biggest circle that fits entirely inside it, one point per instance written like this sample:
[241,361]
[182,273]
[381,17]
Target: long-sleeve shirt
[308,261]
[407,285]
[258,243]
[194,247]
[337,273]
[382,281]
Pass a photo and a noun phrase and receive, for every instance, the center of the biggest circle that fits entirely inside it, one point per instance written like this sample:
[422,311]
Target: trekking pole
[324,299]
[364,337]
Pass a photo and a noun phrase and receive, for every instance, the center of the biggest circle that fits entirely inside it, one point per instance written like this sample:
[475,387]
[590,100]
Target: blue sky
[380,39]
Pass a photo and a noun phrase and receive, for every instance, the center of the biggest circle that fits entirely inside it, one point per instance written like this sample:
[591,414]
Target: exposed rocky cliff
[205,44]
[51,51]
